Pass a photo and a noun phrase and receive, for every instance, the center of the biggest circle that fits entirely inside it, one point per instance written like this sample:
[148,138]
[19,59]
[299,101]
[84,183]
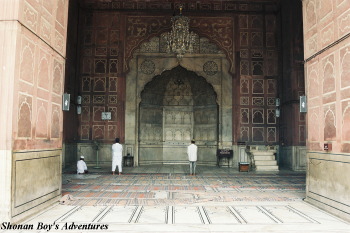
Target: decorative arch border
[136,81]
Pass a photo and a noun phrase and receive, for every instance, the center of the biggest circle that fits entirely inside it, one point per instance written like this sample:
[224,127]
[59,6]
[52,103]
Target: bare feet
[120,173]
[112,173]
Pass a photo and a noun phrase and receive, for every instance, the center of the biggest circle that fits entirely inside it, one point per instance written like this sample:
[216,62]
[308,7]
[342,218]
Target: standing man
[81,166]
[192,157]
[117,153]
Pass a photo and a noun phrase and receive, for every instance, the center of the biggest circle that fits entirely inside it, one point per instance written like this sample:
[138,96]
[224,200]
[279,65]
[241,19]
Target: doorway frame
[137,78]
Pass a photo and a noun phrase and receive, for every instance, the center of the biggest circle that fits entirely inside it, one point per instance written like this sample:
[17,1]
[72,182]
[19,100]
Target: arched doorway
[175,107]
[152,74]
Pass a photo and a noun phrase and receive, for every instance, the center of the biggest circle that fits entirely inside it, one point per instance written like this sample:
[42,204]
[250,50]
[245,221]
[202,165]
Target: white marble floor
[221,206]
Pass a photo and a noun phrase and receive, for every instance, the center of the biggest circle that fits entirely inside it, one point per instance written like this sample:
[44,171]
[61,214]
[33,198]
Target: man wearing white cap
[117,156]
[81,166]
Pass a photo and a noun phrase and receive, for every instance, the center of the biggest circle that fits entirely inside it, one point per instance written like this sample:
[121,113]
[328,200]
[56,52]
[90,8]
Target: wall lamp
[278,111]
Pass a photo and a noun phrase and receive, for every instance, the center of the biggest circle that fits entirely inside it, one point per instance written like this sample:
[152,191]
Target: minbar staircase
[263,158]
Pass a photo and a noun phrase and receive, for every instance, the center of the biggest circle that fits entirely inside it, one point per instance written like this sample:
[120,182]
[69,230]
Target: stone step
[266,168]
[264,157]
[266,163]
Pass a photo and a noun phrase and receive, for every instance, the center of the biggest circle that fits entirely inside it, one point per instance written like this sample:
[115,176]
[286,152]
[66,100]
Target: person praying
[192,157]
[81,166]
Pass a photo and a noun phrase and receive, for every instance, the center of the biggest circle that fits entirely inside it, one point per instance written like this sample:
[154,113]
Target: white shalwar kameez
[117,153]
[192,157]
[81,167]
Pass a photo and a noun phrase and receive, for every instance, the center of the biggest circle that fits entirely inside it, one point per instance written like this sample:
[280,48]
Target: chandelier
[180,40]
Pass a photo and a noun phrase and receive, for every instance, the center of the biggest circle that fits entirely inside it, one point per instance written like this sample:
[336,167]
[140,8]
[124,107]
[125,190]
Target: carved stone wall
[327,69]
[33,35]
[258,79]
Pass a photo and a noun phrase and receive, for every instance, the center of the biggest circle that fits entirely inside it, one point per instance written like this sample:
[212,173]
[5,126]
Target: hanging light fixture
[180,40]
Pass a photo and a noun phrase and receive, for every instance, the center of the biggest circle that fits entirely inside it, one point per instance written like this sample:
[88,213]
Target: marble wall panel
[35,188]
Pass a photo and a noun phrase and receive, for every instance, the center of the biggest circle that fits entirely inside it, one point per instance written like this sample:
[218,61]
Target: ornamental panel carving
[41,129]
[271,134]
[86,84]
[60,11]
[97,113]
[313,84]
[328,75]
[151,46]
[85,132]
[45,29]
[244,67]
[310,14]
[244,87]
[112,131]
[114,52]
[98,132]
[271,86]
[345,67]
[57,77]
[244,134]
[101,51]
[314,126]
[346,121]
[27,60]
[85,113]
[85,99]
[258,101]
[24,124]
[257,39]
[244,100]
[99,84]
[244,115]
[244,39]
[100,66]
[113,84]
[271,116]
[218,30]
[98,99]
[59,42]
[112,99]
[113,66]
[257,67]
[148,67]
[258,134]
[330,130]
[324,8]
[101,36]
[258,86]
[44,73]
[55,121]
[244,53]
[30,16]
[258,116]
[344,24]
[210,68]
[271,101]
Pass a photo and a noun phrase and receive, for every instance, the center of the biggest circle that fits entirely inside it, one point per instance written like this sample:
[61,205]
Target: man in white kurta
[81,166]
[117,156]
[192,157]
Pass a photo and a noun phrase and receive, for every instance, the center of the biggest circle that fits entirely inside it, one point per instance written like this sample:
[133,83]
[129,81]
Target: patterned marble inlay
[210,68]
